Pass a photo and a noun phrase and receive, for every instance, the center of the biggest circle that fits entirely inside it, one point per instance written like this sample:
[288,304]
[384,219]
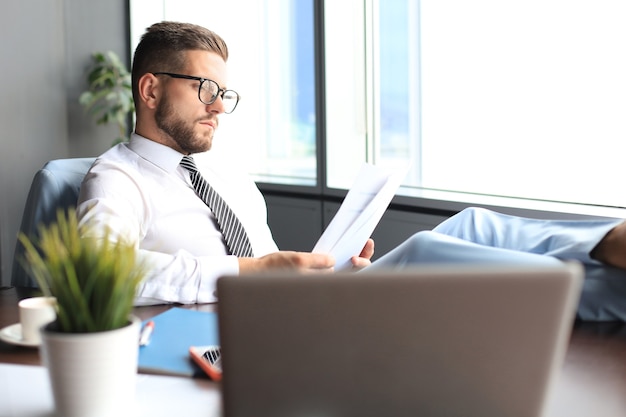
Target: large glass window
[482,98]
[524,99]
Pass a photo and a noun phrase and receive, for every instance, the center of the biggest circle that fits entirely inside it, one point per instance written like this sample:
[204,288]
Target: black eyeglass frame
[220,91]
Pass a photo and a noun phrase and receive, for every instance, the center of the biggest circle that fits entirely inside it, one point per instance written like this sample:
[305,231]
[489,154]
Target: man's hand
[612,248]
[364,259]
[303,261]
[288,260]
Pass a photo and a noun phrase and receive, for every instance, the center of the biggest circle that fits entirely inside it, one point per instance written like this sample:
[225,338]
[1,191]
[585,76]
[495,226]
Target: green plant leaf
[93,280]
[109,94]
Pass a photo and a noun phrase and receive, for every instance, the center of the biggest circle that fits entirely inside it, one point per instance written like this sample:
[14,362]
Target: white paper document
[360,212]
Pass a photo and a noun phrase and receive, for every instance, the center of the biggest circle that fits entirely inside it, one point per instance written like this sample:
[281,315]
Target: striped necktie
[234,233]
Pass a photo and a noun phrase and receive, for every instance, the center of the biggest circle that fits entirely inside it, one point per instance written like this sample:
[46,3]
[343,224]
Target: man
[144,191]
[141,191]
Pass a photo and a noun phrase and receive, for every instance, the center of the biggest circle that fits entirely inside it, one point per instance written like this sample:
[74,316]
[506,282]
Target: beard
[179,130]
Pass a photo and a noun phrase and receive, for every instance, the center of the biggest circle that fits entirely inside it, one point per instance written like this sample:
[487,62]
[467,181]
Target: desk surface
[592,382]
[25,390]
[9,314]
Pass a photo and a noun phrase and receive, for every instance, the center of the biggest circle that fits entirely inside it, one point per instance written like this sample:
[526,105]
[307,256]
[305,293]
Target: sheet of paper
[360,212]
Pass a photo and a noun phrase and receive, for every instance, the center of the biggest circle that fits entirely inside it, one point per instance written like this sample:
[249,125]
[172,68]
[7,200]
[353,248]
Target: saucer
[13,334]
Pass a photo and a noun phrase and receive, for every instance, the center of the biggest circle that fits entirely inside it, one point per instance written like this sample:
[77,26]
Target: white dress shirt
[140,191]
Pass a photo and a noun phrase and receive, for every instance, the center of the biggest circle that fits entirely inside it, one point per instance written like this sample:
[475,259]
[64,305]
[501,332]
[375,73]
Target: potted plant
[109,95]
[91,349]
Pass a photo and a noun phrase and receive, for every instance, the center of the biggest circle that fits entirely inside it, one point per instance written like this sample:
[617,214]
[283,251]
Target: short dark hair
[162,48]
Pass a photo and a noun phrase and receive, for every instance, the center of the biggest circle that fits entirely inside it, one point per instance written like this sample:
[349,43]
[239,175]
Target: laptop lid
[435,341]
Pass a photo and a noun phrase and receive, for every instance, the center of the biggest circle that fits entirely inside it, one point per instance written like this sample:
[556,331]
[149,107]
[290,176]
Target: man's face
[180,115]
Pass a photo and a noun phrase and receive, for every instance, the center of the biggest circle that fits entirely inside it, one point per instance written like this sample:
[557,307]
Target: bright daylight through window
[483,97]
[520,99]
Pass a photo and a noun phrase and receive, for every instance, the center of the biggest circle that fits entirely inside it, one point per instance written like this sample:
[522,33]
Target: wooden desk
[592,383]
[9,314]
[25,390]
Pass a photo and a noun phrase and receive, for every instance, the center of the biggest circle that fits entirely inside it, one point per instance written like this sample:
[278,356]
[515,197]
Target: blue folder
[175,330]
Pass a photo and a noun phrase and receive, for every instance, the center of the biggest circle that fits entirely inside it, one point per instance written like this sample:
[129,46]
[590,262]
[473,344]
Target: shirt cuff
[207,292]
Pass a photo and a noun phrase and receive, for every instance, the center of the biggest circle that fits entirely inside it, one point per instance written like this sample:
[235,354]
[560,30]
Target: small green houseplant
[109,96]
[90,350]
[93,280]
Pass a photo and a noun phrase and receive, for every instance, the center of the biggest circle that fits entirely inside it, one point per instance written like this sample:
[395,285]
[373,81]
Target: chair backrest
[54,186]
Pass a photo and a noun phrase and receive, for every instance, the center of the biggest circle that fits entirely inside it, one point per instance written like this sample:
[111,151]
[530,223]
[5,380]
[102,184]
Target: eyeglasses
[209,90]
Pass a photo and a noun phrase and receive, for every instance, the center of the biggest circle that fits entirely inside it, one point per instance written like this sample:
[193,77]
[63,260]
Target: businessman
[195,218]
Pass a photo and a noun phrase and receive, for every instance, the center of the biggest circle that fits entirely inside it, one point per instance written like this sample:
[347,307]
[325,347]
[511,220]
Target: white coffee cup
[35,312]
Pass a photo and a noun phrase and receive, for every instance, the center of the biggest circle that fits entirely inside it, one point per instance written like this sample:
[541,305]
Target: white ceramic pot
[92,374]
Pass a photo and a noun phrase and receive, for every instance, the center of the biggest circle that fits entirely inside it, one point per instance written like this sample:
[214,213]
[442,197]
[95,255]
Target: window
[483,99]
[372,87]
[525,100]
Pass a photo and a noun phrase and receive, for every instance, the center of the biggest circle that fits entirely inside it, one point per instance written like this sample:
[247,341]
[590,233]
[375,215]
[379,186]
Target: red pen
[146,332]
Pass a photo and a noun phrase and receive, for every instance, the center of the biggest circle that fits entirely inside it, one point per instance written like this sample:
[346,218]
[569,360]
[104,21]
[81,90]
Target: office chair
[55,185]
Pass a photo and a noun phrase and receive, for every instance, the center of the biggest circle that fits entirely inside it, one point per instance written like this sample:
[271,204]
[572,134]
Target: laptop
[484,341]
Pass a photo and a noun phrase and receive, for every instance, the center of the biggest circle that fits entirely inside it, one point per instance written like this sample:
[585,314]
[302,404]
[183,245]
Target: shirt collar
[160,155]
